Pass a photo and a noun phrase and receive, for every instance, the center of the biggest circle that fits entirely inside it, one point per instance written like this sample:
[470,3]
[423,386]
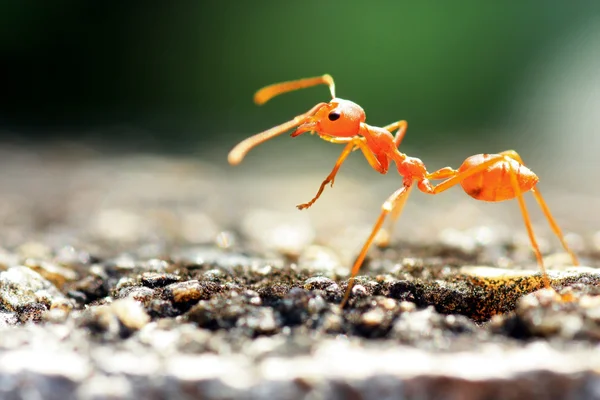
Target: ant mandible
[486,177]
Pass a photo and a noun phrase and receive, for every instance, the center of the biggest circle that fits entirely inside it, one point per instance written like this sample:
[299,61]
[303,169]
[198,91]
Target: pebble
[109,317]
[156,280]
[332,289]
[428,326]
[318,282]
[25,291]
[332,323]
[184,292]
[407,306]
[55,273]
[260,320]
[7,319]
[142,294]
[316,305]
[214,274]
[388,304]
[125,282]
[359,290]
[373,317]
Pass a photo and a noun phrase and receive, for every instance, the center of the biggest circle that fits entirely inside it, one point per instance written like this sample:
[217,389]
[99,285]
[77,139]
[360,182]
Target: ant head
[339,118]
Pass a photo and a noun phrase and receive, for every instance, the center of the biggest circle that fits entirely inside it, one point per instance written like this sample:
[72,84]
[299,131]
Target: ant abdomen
[495,183]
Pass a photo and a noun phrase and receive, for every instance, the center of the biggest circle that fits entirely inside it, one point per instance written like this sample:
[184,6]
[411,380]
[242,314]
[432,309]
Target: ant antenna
[268,92]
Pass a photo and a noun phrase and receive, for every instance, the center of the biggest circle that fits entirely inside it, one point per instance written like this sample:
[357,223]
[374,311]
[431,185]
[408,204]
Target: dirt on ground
[153,277]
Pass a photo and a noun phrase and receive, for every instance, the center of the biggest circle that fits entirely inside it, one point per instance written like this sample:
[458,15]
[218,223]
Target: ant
[485,177]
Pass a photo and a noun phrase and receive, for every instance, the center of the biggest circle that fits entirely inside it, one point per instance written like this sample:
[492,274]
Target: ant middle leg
[396,212]
[402,126]
[396,200]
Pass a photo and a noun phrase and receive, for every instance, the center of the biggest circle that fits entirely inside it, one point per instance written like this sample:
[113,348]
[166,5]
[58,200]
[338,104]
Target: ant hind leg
[555,228]
[545,209]
[527,220]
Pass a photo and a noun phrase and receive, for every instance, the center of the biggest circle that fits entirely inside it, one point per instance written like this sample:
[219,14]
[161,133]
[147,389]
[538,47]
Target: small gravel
[142,278]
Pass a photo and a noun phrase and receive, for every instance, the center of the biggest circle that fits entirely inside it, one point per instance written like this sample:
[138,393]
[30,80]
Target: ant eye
[333,116]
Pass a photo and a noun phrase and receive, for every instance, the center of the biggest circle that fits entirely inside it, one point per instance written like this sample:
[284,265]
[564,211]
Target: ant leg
[553,224]
[527,220]
[514,155]
[402,126]
[453,177]
[399,196]
[545,209]
[268,92]
[443,173]
[361,144]
[351,145]
[331,177]
[237,154]
[394,215]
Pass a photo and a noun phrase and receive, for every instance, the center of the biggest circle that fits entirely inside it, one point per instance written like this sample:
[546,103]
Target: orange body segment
[494,184]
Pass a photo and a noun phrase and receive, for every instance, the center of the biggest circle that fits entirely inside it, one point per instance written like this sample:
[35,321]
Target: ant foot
[304,206]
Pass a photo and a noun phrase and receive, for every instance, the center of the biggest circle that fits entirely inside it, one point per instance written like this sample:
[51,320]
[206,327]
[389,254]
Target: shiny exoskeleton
[486,177]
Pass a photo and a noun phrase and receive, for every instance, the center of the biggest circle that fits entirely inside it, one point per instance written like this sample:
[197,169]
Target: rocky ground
[146,277]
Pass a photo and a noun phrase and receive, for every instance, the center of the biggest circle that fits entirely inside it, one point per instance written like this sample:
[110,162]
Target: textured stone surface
[143,277]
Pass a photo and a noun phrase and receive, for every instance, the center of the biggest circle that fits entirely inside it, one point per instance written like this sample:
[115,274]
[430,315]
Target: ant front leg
[331,177]
[351,144]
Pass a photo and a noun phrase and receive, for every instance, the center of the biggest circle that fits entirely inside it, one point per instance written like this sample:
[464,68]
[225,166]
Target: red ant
[486,177]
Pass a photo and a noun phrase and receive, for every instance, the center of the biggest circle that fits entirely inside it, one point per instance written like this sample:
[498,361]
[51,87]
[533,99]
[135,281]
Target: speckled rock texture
[143,277]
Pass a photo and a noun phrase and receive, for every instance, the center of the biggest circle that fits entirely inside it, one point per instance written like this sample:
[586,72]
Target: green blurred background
[179,76]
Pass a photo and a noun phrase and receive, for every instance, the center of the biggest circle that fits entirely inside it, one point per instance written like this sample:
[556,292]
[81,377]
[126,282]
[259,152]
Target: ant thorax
[411,167]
